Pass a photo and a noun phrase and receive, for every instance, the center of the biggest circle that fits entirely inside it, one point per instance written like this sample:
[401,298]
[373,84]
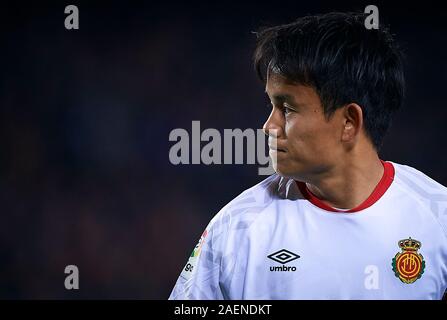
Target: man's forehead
[277,83]
[279,88]
[274,78]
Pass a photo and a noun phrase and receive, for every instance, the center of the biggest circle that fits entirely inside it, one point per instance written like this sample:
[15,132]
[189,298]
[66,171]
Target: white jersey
[278,241]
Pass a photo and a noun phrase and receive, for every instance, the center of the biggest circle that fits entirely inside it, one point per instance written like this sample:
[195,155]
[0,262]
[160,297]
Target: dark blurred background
[85,116]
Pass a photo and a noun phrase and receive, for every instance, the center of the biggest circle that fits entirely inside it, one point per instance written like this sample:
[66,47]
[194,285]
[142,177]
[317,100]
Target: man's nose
[272,127]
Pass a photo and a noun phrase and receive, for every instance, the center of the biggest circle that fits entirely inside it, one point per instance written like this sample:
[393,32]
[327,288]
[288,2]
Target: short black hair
[342,60]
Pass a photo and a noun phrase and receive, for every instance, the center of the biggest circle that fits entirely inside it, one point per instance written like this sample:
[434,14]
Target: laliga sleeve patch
[189,269]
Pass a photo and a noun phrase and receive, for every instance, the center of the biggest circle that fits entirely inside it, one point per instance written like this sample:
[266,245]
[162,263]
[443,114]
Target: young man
[335,222]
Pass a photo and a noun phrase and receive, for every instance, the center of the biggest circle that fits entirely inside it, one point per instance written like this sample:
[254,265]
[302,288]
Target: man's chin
[283,171]
[288,172]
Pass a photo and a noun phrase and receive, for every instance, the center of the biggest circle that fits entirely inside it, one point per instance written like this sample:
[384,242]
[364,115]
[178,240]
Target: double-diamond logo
[283,256]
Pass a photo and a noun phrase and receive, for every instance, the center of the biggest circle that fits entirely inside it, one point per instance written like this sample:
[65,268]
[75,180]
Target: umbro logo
[283,256]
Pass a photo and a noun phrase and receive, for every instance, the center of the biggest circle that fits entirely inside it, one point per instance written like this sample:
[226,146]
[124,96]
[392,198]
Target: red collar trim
[379,191]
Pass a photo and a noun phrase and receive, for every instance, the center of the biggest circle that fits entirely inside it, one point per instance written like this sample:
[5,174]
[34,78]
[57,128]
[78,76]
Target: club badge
[408,265]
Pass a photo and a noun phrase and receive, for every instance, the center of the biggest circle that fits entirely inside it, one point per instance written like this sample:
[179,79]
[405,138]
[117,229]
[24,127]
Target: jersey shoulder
[213,258]
[425,190]
[244,209]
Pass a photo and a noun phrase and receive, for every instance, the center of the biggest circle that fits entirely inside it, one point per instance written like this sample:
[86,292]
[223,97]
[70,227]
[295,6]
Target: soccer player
[335,221]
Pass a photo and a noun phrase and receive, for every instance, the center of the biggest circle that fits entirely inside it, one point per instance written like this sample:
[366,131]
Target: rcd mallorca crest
[408,265]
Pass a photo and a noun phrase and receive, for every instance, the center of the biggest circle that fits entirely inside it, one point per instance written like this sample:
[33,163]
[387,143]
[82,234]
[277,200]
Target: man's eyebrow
[280,98]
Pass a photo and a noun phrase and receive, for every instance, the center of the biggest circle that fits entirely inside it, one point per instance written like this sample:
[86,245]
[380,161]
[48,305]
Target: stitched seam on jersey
[426,180]
[266,206]
[265,187]
[444,228]
[403,185]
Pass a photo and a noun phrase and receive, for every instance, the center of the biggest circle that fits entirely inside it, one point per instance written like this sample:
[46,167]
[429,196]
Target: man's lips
[276,148]
[274,145]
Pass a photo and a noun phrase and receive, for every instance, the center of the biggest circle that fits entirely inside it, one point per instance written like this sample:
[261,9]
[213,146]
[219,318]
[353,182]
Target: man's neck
[349,184]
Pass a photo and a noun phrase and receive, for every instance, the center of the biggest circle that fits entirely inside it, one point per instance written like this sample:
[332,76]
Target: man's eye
[286,109]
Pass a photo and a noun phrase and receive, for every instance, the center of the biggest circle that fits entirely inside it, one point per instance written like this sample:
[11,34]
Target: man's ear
[352,121]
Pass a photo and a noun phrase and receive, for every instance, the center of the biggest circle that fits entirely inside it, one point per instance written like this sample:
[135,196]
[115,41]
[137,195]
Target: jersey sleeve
[199,279]
[212,266]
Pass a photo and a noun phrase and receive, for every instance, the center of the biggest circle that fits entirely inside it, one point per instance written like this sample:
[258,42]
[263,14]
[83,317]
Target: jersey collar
[378,192]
